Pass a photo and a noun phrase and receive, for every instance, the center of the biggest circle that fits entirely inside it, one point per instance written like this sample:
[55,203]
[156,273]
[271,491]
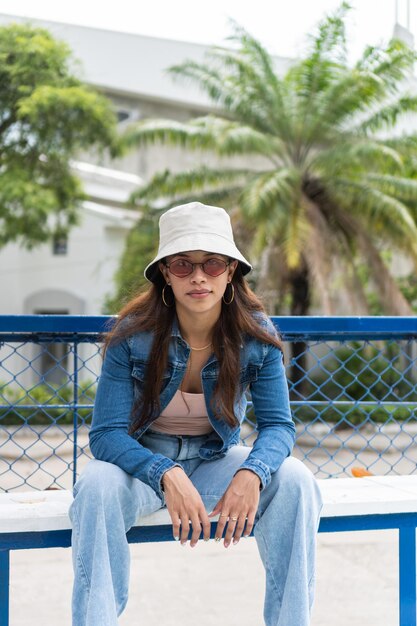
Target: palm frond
[331,39]
[225,198]
[387,116]
[248,78]
[351,93]
[404,189]
[285,231]
[268,193]
[328,53]
[355,155]
[208,78]
[204,179]
[391,64]
[169,132]
[243,82]
[294,235]
[260,240]
[406,144]
[254,50]
[232,138]
[222,136]
[228,90]
[262,61]
[383,214]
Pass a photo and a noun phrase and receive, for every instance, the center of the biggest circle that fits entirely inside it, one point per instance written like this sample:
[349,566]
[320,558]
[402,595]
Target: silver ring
[222,515]
[234,519]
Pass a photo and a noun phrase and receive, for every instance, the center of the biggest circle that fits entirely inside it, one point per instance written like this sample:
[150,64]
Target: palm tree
[321,186]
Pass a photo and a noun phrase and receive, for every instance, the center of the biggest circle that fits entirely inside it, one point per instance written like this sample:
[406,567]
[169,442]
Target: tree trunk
[300,304]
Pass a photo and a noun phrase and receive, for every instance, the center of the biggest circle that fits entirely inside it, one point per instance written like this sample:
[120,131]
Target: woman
[166,421]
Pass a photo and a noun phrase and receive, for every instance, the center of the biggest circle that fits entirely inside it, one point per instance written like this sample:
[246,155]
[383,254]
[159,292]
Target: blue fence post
[407,573]
[75,413]
[4,587]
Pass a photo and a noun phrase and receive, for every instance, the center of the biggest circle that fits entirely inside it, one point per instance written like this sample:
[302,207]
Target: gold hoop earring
[163,297]
[233,295]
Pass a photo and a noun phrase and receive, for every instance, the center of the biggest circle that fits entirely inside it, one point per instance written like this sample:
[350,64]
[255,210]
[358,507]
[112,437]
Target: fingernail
[217,539]
[245,536]
[176,538]
[208,539]
[226,545]
[235,541]
[183,544]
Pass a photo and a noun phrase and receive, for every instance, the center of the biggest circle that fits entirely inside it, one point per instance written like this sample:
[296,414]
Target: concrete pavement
[210,586]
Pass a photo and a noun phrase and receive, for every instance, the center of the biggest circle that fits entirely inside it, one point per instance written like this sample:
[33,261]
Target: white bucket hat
[195,226]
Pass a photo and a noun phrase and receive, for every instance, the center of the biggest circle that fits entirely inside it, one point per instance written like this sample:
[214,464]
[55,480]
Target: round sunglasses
[182,268]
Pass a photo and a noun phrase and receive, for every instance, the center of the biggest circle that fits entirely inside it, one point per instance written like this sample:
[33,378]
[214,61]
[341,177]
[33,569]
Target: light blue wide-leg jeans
[108,501]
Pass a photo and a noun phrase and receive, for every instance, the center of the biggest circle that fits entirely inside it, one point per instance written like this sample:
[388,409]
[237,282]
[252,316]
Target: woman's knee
[103,491]
[106,487]
[102,479]
[294,480]
[293,471]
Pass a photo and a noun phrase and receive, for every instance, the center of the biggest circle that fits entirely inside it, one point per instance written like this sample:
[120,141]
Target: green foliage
[408,285]
[348,415]
[46,116]
[43,400]
[326,184]
[140,249]
[357,373]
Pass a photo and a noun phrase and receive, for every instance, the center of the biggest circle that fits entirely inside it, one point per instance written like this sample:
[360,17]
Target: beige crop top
[186,414]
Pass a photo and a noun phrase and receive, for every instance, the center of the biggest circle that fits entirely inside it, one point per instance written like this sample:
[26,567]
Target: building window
[60,245]
[127,115]
[122,116]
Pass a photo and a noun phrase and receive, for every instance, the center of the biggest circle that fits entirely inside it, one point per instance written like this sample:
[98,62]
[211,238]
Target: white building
[69,280]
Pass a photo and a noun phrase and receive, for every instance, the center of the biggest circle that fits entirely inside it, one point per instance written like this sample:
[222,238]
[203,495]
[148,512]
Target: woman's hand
[237,507]
[185,505]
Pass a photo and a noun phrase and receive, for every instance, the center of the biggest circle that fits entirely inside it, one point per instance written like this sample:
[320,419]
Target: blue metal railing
[352,385]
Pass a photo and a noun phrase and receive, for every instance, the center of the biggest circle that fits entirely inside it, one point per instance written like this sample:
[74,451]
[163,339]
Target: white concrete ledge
[369,495]
[36,511]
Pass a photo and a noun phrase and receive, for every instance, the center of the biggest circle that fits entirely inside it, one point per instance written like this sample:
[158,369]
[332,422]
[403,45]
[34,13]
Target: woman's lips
[199,294]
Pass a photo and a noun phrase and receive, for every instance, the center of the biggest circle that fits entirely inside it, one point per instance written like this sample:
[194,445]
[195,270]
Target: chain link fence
[352,385]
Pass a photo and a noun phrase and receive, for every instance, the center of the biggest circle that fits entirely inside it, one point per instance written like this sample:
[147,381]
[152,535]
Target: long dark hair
[147,312]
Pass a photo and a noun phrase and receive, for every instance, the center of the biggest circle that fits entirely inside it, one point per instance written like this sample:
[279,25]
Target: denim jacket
[122,379]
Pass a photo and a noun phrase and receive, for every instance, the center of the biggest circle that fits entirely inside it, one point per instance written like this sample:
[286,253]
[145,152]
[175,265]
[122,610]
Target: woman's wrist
[250,474]
[168,477]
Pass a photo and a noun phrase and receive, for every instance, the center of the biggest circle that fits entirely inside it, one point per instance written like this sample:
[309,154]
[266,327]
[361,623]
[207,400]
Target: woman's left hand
[237,507]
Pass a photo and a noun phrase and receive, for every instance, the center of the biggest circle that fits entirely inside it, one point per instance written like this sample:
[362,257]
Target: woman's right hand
[185,505]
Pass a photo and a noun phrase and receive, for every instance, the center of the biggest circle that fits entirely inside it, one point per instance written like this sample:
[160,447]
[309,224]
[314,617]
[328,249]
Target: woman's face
[197,292]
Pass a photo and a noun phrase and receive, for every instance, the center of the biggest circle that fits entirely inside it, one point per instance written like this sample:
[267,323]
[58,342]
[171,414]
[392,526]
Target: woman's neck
[197,330]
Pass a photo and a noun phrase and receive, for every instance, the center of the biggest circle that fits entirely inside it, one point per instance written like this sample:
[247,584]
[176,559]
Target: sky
[280,25]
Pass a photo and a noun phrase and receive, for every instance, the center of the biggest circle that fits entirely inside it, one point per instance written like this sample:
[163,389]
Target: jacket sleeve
[109,437]
[276,430]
